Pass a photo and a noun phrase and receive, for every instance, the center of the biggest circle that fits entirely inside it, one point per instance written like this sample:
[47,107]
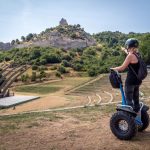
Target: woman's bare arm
[125,50]
[125,64]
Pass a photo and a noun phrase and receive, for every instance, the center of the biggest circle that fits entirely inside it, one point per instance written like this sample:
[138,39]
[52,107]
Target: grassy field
[9,124]
[46,88]
[38,89]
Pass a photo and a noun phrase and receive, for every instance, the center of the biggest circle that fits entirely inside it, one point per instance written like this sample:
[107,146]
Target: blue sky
[20,17]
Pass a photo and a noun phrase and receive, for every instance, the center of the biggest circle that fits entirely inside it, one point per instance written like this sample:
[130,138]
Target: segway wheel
[145,121]
[123,126]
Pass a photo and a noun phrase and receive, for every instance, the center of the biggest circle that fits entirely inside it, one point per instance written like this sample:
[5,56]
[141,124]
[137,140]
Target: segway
[125,123]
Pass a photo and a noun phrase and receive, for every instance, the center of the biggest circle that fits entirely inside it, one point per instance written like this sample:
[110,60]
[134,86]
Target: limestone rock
[63,22]
[5,46]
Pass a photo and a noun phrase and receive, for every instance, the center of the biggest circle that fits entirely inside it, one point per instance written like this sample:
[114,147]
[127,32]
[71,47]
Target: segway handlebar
[112,70]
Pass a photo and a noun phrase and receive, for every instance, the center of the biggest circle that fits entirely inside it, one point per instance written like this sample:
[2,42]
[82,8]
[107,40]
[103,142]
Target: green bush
[24,78]
[7,58]
[67,57]
[65,63]
[89,51]
[93,71]
[43,61]
[52,58]
[58,74]
[42,68]
[34,76]
[34,67]
[42,74]
[77,67]
[61,69]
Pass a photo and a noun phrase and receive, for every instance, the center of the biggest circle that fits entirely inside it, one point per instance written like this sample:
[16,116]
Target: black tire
[145,121]
[129,120]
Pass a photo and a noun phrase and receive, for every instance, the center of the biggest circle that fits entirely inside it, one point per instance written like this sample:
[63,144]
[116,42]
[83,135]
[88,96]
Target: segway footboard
[126,108]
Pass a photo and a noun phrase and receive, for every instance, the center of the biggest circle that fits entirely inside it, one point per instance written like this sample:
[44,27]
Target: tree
[78,26]
[115,53]
[52,58]
[66,63]
[12,42]
[67,57]
[89,51]
[7,58]
[77,67]
[43,61]
[36,53]
[145,48]
[23,38]
[29,37]
[73,35]
[17,41]
[61,69]
[93,71]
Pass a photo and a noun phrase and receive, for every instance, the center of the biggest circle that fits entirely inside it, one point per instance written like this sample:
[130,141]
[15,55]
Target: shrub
[43,61]
[34,67]
[24,78]
[67,57]
[65,63]
[58,74]
[93,71]
[77,67]
[7,58]
[61,69]
[42,68]
[53,58]
[42,74]
[33,77]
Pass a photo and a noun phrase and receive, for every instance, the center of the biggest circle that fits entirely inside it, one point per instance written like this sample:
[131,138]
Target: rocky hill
[62,36]
[5,46]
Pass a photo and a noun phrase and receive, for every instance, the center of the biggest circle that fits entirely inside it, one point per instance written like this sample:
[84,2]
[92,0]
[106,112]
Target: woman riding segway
[132,84]
[123,123]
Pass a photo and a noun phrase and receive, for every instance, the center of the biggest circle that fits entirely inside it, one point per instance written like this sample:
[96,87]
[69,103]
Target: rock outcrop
[63,22]
[63,36]
[5,46]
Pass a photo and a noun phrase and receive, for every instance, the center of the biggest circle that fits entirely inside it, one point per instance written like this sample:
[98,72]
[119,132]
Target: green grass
[72,81]
[9,124]
[12,123]
[29,117]
[53,86]
[7,128]
[39,89]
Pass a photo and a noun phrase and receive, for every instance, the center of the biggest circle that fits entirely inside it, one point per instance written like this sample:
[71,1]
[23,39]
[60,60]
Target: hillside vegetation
[93,60]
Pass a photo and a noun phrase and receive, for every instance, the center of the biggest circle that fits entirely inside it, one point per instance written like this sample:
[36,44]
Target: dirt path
[71,133]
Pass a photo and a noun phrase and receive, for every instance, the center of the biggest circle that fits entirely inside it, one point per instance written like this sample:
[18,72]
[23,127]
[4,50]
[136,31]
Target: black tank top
[131,77]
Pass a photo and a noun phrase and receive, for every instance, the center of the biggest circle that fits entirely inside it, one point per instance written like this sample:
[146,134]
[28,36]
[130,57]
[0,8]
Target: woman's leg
[136,98]
[129,89]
